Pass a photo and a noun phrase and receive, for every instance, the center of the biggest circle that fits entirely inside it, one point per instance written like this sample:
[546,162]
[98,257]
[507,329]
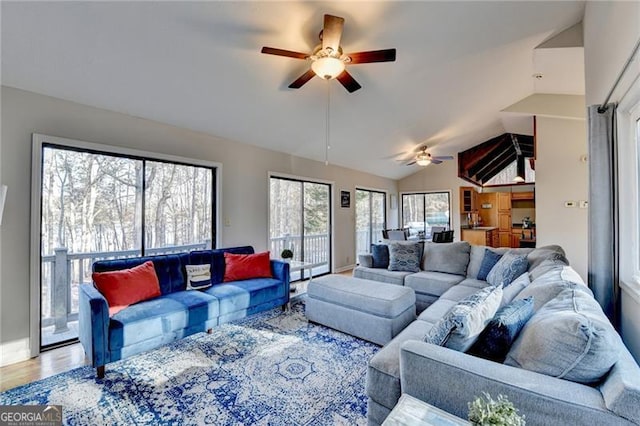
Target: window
[98,204]
[370,218]
[300,220]
[628,124]
[423,210]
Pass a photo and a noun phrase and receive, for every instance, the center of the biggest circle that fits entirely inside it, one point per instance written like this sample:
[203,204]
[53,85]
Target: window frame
[332,203]
[628,128]
[38,142]
[447,191]
[371,191]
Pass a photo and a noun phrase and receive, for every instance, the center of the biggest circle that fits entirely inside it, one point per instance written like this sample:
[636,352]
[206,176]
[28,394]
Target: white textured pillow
[198,276]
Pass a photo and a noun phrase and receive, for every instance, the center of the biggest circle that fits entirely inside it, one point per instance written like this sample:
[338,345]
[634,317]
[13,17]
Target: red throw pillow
[246,266]
[128,286]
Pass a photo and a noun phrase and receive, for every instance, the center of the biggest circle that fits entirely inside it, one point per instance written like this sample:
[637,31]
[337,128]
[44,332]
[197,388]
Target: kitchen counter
[519,225]
[481,235]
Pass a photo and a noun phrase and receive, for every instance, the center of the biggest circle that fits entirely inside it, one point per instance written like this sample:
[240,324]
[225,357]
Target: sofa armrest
[93,324]
[365,259]
[450,380]
[280,271]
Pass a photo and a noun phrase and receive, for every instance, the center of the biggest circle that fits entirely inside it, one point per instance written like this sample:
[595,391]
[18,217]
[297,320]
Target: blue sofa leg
[210,330]
[100,371]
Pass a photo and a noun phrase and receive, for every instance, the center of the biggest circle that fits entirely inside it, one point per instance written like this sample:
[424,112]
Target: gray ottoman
[370,310]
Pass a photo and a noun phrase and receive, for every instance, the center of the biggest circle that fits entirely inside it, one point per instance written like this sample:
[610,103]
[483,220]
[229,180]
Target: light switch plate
[584,204]
[570,204]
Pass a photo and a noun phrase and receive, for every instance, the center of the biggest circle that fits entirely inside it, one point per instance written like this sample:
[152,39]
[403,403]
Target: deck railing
[316,247]
[63,272]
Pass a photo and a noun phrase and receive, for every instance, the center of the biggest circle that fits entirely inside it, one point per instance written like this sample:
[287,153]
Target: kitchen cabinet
[467,199]
[504,239]
[529,195]
[504,222]
[504,202]
[482,236]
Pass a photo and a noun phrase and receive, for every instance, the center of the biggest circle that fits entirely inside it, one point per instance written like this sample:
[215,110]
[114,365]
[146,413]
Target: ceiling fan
[328,60]
[423,158]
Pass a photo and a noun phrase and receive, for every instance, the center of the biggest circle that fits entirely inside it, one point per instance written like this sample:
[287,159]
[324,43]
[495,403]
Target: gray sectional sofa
[449,379]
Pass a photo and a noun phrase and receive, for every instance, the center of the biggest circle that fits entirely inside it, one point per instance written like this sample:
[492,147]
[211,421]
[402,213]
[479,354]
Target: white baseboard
[14,351]
[344,268]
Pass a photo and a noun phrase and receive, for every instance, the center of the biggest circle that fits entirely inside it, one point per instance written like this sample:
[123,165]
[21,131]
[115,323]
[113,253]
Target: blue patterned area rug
[272,368]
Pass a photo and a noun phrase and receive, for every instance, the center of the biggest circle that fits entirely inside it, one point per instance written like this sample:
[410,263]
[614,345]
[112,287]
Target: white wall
[561,176]
[611,29]
[244,183]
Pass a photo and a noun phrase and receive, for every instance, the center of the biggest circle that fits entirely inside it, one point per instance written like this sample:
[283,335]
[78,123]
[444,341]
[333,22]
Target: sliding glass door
[300,220]
[424,210]
[100,205]
[371,215]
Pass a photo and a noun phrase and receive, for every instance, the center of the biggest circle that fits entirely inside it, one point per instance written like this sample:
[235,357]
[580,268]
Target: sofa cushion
[198,276]
[128,286]
[459,292]
[159,316]
[247,266]
[431,283]
[241,295]
[473,282]
[450,258]
[405,256]
[488,262]
[548,286]
[496,339]
[568,338]
[462,325]
[552,253]
[381,275]
[438,309]
[380,255]
[508,268]
[383,372]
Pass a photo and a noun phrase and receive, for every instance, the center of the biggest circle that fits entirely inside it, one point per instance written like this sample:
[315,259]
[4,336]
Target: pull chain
[328,130]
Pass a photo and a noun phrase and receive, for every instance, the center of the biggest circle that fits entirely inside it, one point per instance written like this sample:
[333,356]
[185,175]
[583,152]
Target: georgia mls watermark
[30,415]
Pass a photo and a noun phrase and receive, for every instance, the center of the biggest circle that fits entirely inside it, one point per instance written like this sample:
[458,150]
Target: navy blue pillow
[380,253]
[488,262]
[496,339]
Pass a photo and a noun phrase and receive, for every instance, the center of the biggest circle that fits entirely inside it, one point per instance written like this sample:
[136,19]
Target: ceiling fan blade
[282,52]
[411,163]
[302,80]
[348,82]
[332,32]
[434,161]
[442,157]
[386,55]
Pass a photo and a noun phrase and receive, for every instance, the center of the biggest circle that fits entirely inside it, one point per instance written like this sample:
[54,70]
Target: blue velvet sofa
[177,312]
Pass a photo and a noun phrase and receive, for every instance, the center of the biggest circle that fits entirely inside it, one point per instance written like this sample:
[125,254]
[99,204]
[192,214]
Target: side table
[411,411]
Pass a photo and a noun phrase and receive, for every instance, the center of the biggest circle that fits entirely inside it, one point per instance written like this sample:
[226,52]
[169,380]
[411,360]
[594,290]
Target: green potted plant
[286,255]
[486,411]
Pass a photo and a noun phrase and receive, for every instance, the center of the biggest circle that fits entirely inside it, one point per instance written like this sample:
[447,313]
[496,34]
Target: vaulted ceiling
[197,65]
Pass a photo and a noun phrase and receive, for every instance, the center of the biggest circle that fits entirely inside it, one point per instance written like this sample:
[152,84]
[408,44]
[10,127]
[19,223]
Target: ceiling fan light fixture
[327,67]
[423,160]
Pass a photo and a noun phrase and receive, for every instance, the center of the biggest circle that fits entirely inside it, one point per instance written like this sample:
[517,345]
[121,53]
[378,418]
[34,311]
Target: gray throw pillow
[512,290]
[509,267]
[405,257]
[548,286]
[569,338]
[450,258]
[459,328]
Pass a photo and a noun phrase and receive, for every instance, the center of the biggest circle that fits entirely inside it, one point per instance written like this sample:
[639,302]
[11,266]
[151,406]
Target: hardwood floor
[63,359]
[47,364]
